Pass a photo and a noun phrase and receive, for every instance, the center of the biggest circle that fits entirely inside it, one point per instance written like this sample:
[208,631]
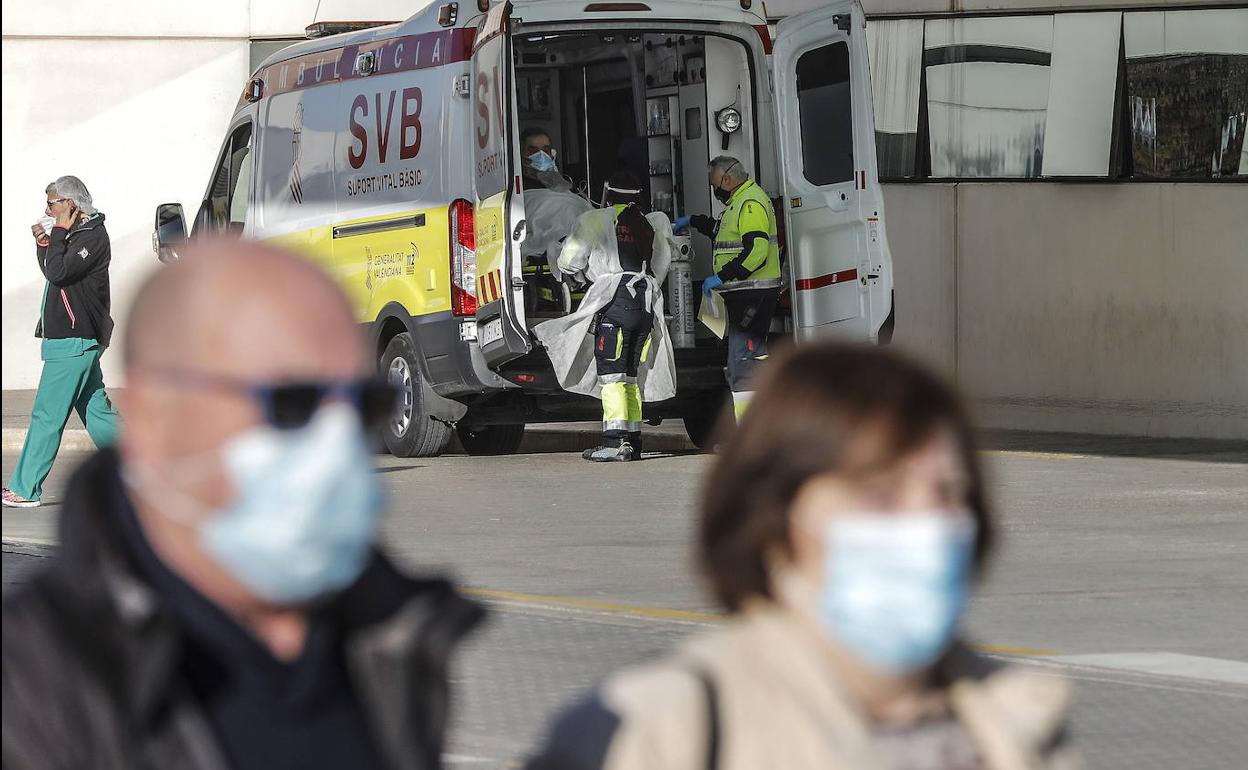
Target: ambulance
[391,156]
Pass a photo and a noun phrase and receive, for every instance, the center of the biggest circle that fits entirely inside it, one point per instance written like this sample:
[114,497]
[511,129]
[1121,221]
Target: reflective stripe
[741,402]
[611,379]
[618,425]
[768,283]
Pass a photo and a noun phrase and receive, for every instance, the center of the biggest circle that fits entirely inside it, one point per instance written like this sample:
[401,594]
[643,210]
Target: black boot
[634,439]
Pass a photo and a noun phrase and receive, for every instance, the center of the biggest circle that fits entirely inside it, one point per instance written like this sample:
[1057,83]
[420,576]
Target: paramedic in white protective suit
[616,346]
[550,207]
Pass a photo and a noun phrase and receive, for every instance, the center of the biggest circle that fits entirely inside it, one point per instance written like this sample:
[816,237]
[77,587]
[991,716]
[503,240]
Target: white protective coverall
[549,216]
[590,254]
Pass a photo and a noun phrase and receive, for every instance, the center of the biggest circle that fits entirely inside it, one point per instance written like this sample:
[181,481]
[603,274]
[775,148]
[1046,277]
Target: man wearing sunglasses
[73,250]
[217,600]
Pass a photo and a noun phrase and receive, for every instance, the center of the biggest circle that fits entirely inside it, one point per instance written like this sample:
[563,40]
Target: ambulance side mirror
[170,231]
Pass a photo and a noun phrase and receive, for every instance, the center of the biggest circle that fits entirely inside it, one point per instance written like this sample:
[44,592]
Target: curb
[29,548]
[536,441]
[72,440]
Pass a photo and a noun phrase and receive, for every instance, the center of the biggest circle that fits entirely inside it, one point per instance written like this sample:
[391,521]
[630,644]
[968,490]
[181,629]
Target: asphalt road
[1124,567]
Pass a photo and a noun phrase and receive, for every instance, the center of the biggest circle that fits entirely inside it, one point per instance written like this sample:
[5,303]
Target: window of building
[824,111]
[987,84]
[1186,93]
[1146,95]
[895,53]
[1083,81]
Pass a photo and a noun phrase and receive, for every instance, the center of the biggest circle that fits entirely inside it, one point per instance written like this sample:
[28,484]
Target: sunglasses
[292,405]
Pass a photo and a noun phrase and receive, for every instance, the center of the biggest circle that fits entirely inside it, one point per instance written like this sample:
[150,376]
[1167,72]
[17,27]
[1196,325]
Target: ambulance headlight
[729,120]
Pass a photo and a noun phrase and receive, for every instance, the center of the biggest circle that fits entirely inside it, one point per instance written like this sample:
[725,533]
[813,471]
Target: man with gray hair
[73,252]
[746,263]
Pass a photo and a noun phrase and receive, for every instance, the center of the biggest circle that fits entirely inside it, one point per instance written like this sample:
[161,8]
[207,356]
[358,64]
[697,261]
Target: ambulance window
[227,201]
[823,105]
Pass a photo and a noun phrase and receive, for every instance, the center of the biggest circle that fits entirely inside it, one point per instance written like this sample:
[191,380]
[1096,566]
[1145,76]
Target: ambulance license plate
[490,332]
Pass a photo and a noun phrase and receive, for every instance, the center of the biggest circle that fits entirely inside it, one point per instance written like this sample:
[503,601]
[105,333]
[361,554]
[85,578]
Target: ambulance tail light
[463,259]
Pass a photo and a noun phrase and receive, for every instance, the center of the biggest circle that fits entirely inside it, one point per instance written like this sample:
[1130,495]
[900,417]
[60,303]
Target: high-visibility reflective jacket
[746,247]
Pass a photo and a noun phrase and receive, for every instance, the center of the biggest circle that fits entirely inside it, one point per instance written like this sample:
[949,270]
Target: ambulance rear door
[499,214]
[841,272]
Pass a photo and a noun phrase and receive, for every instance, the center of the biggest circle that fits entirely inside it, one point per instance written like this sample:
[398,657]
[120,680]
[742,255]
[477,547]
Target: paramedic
[624,252]
[74,253]
[746,259]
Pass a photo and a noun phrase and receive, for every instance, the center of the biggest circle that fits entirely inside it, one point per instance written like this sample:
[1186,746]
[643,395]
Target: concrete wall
[133,97]
[1102,308]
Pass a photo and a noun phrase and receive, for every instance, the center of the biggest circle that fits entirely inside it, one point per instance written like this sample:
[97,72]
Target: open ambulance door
[499,204]
[839,263]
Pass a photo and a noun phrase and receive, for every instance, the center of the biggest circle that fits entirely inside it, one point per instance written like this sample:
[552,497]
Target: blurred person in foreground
[74,253]
[216,600]
[842,528]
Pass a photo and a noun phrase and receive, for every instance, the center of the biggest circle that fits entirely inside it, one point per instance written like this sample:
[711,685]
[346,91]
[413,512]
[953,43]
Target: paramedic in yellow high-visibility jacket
[746,261]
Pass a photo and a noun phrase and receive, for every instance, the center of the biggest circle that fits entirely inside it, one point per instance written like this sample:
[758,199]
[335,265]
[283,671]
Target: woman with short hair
[842,528]
[74,253]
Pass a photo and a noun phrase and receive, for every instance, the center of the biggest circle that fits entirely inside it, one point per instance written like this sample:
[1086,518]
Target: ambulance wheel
[410,432]
[701,421]
[490,439]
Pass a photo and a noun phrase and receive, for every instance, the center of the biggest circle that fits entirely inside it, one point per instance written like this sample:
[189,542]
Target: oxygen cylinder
[680,293]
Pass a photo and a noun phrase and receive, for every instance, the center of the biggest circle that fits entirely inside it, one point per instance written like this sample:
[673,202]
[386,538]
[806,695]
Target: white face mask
[895,586]
[48,223]
[305,508]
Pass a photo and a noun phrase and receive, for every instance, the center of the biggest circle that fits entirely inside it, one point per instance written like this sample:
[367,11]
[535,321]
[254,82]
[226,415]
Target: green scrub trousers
[71,380]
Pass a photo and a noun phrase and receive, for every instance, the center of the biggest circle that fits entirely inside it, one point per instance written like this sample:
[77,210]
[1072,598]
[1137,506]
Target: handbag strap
[711,694]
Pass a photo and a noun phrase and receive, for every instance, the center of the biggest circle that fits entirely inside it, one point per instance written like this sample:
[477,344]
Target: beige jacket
[780,706]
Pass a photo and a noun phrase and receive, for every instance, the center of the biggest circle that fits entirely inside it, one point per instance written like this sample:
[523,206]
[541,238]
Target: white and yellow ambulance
[391,156]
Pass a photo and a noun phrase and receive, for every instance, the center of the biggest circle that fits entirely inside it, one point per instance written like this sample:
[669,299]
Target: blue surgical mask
[895,586]
[541,161]
[305,508]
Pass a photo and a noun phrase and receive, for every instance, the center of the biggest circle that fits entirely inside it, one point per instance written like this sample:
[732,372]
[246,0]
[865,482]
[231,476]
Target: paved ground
[1124,567]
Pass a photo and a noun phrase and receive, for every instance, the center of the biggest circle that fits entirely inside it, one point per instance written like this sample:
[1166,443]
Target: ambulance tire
[701,421]
[410,432]
[484,440]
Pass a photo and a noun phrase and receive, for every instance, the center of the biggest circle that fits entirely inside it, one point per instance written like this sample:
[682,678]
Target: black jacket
[77,302]
[91,658]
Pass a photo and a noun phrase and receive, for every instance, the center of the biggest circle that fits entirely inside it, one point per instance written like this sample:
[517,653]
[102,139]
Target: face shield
[613,195]
[719,192]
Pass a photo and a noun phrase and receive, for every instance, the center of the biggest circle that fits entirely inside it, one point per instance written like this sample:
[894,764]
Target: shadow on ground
[1204,450]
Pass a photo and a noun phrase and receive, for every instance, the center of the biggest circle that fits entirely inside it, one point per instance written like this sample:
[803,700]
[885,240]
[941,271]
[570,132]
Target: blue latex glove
[710,284]
[681,223]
